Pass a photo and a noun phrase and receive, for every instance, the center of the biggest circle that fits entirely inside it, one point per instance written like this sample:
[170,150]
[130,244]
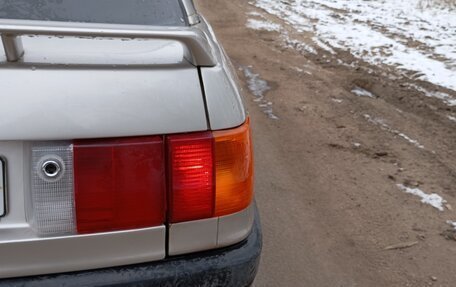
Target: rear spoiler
[191,37]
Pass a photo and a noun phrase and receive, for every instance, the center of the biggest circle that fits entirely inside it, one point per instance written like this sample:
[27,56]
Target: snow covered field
[416,39]
[413,41]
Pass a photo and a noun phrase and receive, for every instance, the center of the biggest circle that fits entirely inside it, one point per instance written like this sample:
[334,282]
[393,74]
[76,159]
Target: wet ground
[355,158]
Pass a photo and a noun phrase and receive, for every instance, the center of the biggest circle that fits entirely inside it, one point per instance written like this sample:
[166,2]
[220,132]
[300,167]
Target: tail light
[192,191]
[191,177]
[119,184]
[234,170]
[89,186]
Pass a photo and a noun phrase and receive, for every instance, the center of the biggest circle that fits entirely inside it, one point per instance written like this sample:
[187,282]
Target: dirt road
[332,167]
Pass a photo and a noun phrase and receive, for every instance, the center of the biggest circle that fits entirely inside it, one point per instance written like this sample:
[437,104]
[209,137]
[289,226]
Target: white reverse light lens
[52,188]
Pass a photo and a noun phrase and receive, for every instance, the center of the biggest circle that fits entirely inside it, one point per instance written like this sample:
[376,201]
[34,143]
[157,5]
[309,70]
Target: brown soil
[331,211]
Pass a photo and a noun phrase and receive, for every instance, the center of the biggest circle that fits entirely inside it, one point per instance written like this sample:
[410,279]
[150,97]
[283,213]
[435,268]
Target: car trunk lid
[74,94]
[66,95]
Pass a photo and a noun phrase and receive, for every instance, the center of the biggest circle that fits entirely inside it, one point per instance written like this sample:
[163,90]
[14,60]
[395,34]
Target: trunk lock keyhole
[51,168]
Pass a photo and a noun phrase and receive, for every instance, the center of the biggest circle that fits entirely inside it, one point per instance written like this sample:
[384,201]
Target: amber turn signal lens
[234,170]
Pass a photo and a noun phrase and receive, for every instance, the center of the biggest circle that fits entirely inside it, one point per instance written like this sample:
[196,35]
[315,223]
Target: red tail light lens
[191,177]
[119,184]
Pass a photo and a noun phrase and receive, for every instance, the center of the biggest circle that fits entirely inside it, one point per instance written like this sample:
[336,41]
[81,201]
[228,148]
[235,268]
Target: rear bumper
[234,266]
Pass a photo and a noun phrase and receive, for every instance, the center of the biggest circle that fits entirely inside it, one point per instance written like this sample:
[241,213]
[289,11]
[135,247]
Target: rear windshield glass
[136,12]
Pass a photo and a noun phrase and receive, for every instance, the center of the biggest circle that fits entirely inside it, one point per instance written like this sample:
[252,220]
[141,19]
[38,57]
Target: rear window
[136,12]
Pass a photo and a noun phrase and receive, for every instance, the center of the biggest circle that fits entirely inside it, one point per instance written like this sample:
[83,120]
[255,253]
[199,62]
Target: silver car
[125,149]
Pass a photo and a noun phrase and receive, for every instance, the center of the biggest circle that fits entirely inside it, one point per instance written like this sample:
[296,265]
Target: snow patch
[446,98]
[451,118]
[323,45]
[258,87]
[410,140]
[381,122]
[397,33]
[360,92]
[297,45]
[452,223]
[255,14]
[263,25]
[432,199]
